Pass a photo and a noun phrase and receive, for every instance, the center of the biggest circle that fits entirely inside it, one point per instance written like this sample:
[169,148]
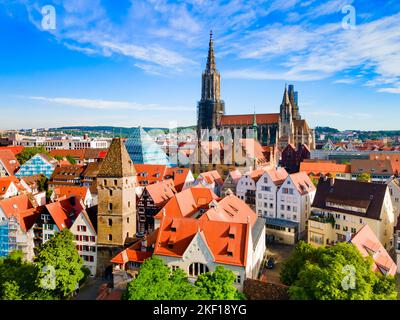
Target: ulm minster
[279,129]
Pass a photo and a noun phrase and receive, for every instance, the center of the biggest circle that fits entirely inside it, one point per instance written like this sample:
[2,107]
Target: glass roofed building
[143,149]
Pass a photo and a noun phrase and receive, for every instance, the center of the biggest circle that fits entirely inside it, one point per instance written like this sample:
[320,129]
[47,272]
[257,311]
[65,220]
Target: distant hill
[124,131]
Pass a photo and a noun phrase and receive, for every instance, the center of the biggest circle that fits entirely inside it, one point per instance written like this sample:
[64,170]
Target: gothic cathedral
[272,129]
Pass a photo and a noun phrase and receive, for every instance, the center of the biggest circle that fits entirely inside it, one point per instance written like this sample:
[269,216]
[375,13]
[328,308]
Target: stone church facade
[270,129]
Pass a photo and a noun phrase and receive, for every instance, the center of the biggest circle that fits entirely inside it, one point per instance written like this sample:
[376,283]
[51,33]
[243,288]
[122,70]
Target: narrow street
[90,290]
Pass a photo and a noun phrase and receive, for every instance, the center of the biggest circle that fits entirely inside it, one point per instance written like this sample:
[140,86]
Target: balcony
[322,218]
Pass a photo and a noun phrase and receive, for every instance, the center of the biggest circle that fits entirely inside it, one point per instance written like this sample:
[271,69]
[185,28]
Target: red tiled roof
[64,211]
[14,149]
[188,202]
[231,209]
[69,191]
[211,177]
[368,244]
[216,235]
[247,119]
[134,253]
[15,205]
[5,185]
[278,176]
[9,161]
[161,191]
[318,168]
[76,154]
[302,182]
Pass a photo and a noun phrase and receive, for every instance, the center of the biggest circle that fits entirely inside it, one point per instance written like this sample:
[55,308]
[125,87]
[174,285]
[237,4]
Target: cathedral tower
[285,121]
[210,108]
[116,219]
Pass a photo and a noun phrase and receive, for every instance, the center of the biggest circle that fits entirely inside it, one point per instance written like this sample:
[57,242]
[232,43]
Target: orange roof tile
[188,202]
[318,168]
[65,211]
[369,245]
[231,209]
[161,191]
[211,177]
[214,233]
[302,182]
[15,205]
[9,161]
[69,191]
[247,119]
[278,176]
[14,149]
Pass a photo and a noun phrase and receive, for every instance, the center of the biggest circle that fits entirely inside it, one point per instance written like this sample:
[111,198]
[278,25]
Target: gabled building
[211,180]
[8,163]
[342,207]
[294,198]
[17,216]
[228,234]
[39,163]
[66,176]
[8,188]
[151,201]
[266,192]
[68,191]
[246,187]
[84,229]
[231,182]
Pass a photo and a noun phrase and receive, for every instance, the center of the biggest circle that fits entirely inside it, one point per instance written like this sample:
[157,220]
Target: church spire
[286,100]
[211,65]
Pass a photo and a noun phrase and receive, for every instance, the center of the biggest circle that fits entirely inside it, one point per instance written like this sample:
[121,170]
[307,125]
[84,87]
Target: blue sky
[131,62]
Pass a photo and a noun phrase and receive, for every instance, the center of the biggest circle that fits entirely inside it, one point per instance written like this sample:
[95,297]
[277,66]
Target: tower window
[105,182]
[115,182]
[129,204]
[127,220]
[110,206]
[110,237]
[111,193]
[110,222]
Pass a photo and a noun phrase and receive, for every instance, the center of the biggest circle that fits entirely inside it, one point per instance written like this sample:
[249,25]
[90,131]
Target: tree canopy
[364,177]
[27,153]
[156,281]
[339,272]
[18,279]
[60,266]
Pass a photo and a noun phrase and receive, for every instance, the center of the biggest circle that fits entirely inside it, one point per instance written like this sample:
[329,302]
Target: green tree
[339,272]
[157,282]
[28,153]
[71,159]
[43,183]
[57,157]
[364,177]
[60,266]
[18,279]
[218,285]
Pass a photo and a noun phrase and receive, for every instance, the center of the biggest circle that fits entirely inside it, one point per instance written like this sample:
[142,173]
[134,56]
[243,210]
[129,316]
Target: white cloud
[107,104]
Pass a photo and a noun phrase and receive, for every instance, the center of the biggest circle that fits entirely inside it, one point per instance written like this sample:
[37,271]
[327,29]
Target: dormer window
[173,229]
[230,254]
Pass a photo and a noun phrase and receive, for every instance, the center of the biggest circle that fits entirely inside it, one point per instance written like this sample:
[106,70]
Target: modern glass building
[143,149]
[39,163]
